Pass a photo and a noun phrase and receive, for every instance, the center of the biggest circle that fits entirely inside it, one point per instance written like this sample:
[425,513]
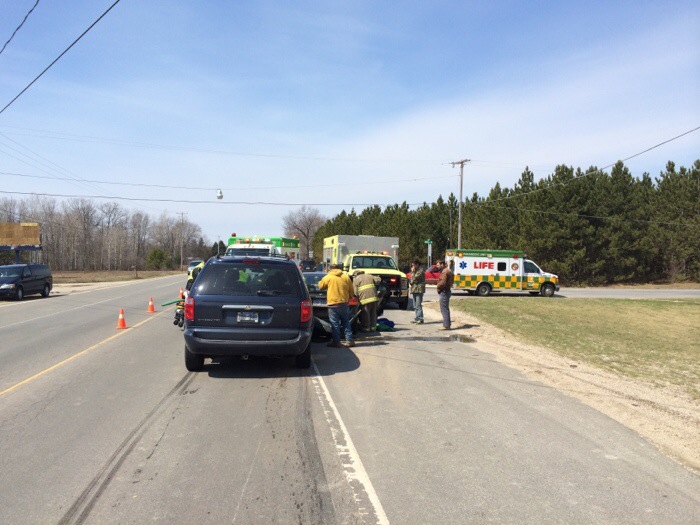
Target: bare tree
[304,223]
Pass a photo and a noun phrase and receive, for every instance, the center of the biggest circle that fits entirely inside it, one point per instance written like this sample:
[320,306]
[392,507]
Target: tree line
[78,234]
[589,227]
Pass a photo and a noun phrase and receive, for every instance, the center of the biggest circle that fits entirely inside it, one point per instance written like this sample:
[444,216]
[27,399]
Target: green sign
[428,242]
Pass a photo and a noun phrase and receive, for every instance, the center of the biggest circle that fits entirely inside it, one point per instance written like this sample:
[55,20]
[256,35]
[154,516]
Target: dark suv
[307,265]
[18,280]
[248,306]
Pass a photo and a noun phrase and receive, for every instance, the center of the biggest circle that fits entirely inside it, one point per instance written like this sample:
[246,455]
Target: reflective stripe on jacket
[366,287]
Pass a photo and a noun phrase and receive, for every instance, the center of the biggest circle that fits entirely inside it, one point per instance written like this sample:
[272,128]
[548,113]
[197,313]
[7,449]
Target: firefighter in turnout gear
[366,290]
[193,275]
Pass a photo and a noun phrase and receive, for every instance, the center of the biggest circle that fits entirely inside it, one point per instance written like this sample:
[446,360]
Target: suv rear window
[245,279]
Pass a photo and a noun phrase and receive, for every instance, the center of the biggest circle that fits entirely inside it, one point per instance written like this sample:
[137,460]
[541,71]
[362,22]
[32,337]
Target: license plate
[247,317]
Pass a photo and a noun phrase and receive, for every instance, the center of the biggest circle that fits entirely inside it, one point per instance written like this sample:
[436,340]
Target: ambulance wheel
[483,290]
[547,290]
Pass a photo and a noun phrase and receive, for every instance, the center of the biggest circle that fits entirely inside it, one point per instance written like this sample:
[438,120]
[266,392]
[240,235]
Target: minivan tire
[303,360]
[46,291]
[193,362]
[19,294]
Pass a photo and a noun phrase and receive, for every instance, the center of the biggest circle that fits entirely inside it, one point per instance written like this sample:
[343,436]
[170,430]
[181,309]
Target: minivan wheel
[303,360]
[193,362]
[19,294]
[46,291]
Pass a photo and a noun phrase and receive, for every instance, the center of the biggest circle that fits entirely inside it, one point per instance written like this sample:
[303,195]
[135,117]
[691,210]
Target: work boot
[333,344]
[350,344]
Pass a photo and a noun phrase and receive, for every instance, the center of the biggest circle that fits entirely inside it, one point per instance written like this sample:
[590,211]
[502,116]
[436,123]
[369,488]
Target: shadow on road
[329,361]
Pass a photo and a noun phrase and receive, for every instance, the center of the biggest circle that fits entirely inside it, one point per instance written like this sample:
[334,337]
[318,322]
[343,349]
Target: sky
[335,105]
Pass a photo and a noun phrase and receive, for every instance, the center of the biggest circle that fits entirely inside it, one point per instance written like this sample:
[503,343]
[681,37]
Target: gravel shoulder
[664,416]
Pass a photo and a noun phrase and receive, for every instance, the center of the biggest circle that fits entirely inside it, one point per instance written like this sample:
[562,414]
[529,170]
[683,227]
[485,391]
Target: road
[100,425]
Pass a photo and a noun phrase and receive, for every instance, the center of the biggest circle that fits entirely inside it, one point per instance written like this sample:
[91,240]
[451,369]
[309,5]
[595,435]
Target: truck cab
[383,266]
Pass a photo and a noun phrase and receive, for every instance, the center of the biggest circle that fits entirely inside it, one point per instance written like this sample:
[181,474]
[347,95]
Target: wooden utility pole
[461,179]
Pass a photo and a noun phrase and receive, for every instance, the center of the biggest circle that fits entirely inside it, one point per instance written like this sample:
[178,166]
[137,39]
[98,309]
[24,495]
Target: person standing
[444,290]
[340,290]
[417,284]
[366,290]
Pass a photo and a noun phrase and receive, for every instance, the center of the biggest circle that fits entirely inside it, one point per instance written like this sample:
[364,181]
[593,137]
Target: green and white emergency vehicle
[485,271]
[257,245]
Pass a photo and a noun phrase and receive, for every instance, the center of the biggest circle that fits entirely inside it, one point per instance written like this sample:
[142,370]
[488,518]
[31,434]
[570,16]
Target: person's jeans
[418,303]
[445,308]
[339,316]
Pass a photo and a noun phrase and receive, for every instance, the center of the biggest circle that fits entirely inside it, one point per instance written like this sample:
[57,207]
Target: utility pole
[461,179]
[182,227]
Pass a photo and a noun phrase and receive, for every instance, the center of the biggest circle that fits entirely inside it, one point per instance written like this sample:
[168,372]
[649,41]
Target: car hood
[8,280]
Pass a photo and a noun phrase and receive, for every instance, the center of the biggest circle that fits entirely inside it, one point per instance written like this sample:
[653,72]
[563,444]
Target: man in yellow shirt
[340,290]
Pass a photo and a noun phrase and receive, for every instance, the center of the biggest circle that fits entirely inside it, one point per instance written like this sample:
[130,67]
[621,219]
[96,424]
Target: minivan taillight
[306,311]
[189,309]
[353,301]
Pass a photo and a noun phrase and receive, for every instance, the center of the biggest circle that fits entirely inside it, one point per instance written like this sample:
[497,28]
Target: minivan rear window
[241,279]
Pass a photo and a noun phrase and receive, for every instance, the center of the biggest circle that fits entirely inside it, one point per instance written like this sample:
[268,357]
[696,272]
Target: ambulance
[260,245]
[485,271]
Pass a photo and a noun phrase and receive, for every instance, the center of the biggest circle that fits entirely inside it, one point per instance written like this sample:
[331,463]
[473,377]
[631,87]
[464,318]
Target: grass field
[654,340]
[108,277]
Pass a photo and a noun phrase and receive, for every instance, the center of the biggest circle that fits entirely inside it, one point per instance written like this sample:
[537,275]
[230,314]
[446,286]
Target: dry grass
[108,276]
[654,340]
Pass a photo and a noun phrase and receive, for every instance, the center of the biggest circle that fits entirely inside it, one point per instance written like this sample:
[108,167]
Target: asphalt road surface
[99,425]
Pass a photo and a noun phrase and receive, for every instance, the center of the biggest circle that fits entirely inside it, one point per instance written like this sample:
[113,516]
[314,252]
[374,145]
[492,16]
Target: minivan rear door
[248,299]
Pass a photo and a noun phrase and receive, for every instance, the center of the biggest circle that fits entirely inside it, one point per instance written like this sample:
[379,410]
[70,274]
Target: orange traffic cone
[180,292]
[122,322]
[151,309]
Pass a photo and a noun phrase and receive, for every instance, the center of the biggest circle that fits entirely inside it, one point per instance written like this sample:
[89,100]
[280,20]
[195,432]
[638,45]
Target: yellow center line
[82,352]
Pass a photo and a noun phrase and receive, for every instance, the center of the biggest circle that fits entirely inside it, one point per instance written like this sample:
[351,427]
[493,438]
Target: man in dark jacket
[417,284]
[444,290]
[366,291]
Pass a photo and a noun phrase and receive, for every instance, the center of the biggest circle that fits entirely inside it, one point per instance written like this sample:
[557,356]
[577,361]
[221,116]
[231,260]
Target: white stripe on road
[353,468]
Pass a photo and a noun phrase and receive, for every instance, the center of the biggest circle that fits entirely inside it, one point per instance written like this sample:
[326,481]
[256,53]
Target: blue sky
[337,103]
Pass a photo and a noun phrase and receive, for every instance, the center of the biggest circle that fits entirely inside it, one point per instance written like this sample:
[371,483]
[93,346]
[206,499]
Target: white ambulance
[486,271]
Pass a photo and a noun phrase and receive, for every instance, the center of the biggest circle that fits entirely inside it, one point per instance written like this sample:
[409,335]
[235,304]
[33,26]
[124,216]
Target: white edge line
[359,472]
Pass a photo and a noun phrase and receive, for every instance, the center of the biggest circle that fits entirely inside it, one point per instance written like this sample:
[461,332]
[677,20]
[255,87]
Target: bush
[158,259]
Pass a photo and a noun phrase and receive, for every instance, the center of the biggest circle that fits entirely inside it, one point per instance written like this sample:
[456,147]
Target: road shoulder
[666,417]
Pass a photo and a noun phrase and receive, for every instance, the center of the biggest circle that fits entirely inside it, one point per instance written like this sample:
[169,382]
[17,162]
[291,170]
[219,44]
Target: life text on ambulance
[486,271]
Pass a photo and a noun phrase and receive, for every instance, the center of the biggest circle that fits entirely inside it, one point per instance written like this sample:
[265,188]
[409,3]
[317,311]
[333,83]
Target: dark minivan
[248,306]
[18,280]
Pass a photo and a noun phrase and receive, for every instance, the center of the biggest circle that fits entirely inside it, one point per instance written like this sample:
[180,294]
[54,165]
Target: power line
[601,170]
[59,56]
[170,186]
[353,204]
[19,26]
[118,142]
